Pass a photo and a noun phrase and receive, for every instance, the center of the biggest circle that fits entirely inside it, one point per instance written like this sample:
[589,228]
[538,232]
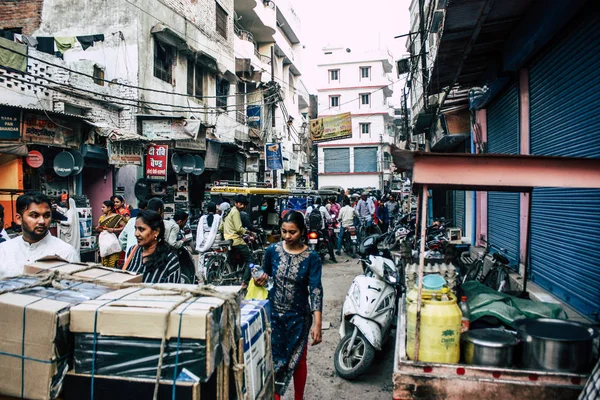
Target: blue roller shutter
[337,160]
[459,210]
[365,159]
[565,223]
[503,138]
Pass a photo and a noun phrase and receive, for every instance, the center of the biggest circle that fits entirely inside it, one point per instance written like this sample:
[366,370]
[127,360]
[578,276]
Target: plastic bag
[256,292]
[108,244]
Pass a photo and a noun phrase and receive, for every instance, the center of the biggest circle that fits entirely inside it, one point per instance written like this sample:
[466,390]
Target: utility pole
[274,173]
[422,51]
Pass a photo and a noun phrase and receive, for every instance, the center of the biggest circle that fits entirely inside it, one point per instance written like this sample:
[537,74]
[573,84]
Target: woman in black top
[152,256]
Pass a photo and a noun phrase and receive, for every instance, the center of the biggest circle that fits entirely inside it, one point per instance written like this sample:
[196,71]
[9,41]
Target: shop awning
[16,148]
[115,134]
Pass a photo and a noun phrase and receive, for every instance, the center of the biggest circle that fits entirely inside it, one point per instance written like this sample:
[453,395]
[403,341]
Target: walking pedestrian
[297,301]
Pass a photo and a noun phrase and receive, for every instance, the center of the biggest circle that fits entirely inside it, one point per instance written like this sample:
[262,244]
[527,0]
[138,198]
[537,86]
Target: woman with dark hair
[297,301]
[110,222]
[152,256]
[121,207]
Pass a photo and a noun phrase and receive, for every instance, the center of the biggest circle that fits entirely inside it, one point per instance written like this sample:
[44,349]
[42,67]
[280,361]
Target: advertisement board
[156,162]
[274,156]
[333,127]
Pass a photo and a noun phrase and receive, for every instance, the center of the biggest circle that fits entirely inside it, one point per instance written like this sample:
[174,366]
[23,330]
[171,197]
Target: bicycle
[497,276]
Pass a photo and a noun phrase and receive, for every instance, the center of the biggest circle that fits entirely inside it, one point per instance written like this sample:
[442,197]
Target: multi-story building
[356,83]
[499,73]
[269,43]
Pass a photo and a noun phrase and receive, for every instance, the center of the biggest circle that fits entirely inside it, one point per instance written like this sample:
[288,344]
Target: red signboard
[156,162]
[34,159]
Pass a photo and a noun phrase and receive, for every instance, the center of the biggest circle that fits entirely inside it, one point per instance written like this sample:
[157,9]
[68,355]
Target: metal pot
[555,345]
[490,347]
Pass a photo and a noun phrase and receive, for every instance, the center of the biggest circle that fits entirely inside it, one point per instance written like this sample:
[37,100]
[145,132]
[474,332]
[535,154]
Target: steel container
[556,345]
[489,347]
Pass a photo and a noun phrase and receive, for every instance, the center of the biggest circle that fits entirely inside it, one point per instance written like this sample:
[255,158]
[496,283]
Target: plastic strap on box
[94,343]
[173,395]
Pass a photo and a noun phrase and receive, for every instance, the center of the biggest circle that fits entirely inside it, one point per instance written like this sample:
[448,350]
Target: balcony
[288,21]
[257,17]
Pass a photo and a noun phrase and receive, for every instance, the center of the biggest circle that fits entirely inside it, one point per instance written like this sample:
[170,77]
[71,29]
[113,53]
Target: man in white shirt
[34,213]
[346,218]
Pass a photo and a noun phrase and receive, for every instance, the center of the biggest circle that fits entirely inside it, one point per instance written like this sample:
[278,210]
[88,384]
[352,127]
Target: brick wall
[26,14]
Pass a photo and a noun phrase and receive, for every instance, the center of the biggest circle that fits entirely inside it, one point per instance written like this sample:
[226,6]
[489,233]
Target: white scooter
[367,316]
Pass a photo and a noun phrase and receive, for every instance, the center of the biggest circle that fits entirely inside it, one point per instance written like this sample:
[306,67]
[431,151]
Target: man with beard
[34,213]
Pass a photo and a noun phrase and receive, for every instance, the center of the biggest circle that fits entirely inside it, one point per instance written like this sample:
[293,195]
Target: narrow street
[323,382]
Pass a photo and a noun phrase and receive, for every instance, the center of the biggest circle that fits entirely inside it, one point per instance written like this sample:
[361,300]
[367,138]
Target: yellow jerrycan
[440,330]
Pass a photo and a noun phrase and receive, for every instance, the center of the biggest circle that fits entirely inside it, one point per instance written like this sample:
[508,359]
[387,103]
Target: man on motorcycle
[318,206]
[233,230]
[346,218]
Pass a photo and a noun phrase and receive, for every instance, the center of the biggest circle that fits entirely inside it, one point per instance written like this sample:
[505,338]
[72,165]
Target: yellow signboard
[248,191]
[333,127]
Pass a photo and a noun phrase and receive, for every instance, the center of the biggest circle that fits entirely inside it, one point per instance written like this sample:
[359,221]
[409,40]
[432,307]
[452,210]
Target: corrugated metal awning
[115,134]
[473,32]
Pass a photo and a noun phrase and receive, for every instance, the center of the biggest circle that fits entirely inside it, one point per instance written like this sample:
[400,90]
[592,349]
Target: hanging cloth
[64,43]
[13,55]
[88,40]
[45,44]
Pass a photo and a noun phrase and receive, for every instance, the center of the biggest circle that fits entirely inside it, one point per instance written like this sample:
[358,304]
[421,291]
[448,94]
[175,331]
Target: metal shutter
[365,159]
[503,138]
[459,210]
[565,223]
[337,160]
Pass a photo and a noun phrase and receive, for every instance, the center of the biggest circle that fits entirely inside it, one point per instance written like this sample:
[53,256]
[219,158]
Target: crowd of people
[148,244]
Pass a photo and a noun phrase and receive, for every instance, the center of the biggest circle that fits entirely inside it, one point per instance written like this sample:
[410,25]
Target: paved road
[323,383]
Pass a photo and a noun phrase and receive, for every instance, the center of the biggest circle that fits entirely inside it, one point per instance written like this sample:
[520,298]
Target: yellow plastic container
[440,331]
[411,296]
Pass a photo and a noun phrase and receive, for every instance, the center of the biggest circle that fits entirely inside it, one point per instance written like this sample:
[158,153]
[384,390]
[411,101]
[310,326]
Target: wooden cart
[424,380]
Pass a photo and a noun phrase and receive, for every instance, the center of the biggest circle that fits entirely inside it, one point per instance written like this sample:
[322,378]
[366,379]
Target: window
[199,82]
[98,75]
[365,72]
[222,92]
[337,160]
[365,99]
[365,159]
[221,21]
[190,77]
[334,75]
[365,129]
[164,58]
[195,79]
[334,101]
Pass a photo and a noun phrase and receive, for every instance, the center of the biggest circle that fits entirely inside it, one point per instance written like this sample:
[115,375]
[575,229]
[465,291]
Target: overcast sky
[355,24]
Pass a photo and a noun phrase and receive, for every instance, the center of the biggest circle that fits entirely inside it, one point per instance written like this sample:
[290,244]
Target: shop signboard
[10,123]
[171,129]
[333,127]
[213,155]
[34,159]
[273,156]
[40,129]
[122,153]
[156,162]
[198,145]
[252,164]
[253,112]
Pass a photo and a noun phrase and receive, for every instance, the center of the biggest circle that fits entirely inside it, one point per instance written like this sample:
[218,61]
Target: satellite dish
[64,163]
[189,163]
[176,163]
[78,157]
[141,189]
[199,168]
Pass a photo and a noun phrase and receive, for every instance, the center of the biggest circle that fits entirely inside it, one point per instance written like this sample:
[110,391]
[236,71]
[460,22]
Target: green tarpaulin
[486,302]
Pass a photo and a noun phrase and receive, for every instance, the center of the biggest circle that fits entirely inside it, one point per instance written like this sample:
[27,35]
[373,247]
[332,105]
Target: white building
[359,84]
[267,29]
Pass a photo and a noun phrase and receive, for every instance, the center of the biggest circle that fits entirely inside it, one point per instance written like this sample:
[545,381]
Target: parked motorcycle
[368,311]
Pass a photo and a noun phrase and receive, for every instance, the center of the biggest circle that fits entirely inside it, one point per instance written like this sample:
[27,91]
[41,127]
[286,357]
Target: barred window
[164,58]
[221,21]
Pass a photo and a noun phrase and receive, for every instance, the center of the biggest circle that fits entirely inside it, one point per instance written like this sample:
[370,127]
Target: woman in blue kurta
[296,272]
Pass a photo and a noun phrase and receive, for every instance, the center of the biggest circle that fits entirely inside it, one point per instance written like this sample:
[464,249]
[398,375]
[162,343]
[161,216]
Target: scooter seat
[222,243]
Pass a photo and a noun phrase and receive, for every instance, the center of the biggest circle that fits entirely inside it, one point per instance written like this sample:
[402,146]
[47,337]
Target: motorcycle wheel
[216,268]
[359,360]
[350,249]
